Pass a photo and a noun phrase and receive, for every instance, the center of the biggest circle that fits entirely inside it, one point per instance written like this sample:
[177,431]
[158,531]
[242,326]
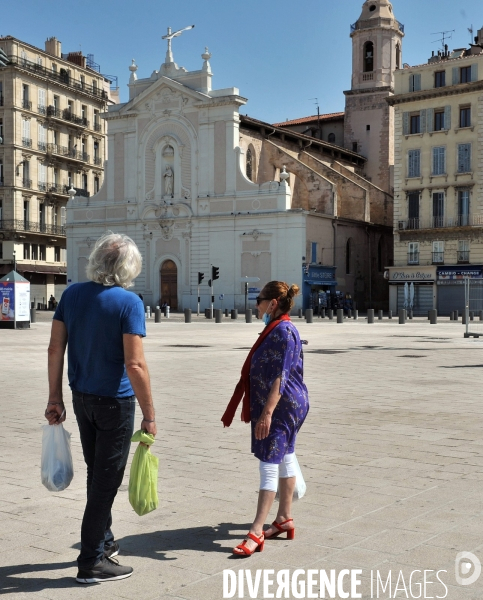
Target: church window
[354,146]
[250,164]
[368,57]
[368,127]
[331,138]
[398,56]
[372,8]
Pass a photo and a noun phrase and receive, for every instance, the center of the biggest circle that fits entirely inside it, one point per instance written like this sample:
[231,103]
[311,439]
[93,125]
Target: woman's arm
[262,428]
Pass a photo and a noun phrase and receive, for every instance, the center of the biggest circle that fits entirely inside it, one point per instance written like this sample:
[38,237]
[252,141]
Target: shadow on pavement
[11,583]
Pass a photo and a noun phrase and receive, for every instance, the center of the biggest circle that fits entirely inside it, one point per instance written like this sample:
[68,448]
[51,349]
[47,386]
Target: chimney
[54,47]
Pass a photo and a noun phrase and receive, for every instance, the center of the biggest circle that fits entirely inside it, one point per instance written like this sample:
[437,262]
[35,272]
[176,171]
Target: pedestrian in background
[275,402]
[103,325]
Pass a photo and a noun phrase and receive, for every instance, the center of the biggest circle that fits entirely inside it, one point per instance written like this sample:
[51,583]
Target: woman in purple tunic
[278,406]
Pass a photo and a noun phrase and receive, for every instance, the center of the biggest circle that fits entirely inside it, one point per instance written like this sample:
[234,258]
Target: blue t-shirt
[96,317]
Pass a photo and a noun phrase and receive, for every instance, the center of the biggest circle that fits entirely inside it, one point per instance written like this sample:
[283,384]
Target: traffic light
[201,276]
[209,282]
[215,273]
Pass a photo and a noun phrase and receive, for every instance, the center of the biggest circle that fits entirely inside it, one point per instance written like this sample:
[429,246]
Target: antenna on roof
[470,29]
[318,116]
[444,38]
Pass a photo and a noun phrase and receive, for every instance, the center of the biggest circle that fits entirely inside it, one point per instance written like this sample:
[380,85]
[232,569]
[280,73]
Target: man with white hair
[103,325]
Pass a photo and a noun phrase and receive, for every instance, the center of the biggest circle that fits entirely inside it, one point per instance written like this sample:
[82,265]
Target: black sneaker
[106,569]
[112,550]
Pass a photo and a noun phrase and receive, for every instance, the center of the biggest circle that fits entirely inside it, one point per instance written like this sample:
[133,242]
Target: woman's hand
[262,427]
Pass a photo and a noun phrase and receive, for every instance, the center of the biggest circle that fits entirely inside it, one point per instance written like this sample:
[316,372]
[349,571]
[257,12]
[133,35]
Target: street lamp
[14,261]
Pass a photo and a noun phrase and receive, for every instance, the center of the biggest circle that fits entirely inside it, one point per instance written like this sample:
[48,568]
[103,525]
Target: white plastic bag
[300,485]
[56,468]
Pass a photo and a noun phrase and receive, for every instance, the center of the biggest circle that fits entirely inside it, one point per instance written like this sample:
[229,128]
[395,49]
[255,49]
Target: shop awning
[42,269]
[320,282]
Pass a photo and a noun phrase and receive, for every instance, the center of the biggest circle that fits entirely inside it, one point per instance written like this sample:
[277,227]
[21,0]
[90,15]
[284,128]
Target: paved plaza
[392,452]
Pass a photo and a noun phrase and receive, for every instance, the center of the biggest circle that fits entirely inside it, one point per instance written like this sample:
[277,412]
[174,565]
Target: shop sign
[402,275]
[457,275]
[15,299]
[322,274]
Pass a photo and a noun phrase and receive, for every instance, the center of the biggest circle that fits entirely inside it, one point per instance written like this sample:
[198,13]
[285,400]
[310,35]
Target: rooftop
[326,117]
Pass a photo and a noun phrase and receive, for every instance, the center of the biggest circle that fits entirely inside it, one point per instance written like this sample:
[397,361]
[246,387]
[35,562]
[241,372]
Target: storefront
[319,284]
[412,288]
[451,290]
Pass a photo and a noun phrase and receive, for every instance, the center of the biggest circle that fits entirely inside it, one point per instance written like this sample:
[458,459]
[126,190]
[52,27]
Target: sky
[280,54]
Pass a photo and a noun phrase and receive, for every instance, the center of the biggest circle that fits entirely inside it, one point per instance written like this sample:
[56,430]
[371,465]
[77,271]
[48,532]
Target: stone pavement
[392,452]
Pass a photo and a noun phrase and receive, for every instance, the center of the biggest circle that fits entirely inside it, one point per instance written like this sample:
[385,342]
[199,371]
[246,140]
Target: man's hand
[149,427]
[55,413]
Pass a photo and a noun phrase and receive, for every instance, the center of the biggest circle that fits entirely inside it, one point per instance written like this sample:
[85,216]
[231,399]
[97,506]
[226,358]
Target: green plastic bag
[143,478]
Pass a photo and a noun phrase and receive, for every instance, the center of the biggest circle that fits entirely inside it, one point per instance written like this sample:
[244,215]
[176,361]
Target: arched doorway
[169,284]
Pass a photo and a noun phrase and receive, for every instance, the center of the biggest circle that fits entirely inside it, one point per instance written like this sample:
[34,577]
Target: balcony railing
[26,142]
[42,186]
[463,256]
[27,183]
[82,192]
[61,76]
[27,104]
[42,110]
[97,126]
[67,152]
[441,222]
[52,111]
[97,160]
[438,258]
[413,258]
[67,115]
[29,226]
[42,146]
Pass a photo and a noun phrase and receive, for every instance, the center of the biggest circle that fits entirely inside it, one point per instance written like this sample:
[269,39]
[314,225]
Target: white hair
[115,260]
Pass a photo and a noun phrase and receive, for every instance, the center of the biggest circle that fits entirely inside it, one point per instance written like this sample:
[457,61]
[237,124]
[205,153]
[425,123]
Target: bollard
[187,315]
[433,317]
[481,315]
[33,315]
[409,314]
[472,316]
[380,314]
[370,315]
[322,314]
[349,313]
[463,317]
[330,314]
[248,316]
[301,313]
[164,310]
[356,314]
[456,315]
[402,316]
[157,315]
[309,315]
[167,312]
[218,315]
[234,313]
[389,314]
[340,315]
[451,316]
[208,313]
[226,312]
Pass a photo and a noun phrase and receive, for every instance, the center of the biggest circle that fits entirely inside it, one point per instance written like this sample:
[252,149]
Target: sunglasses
[259,300]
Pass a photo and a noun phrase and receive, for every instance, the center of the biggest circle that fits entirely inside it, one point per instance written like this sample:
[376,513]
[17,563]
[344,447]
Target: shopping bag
[56,467]
[143,478]
[300,485]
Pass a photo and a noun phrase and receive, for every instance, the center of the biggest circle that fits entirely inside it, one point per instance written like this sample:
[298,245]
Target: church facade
[198,185]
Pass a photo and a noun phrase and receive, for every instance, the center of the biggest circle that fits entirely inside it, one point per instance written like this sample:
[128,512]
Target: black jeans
[106,426]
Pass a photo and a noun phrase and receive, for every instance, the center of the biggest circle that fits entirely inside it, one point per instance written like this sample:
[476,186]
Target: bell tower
[376,54]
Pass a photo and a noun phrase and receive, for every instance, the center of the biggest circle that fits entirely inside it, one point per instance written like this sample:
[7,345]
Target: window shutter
[422,120]
[62,216]
[447,117]
[406,123]
[456,78]
[474,72]
[430,119]
[464,158]
[42,170]
[417,82]
[41,97]
[411,83]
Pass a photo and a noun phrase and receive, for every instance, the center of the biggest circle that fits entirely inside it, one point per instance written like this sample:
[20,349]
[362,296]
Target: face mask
[266,317]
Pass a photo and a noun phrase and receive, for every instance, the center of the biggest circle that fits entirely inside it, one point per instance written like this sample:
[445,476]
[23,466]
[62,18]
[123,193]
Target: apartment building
[438,179]
[52,137]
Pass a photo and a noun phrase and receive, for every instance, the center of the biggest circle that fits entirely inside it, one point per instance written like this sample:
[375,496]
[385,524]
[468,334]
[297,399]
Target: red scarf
[242,390]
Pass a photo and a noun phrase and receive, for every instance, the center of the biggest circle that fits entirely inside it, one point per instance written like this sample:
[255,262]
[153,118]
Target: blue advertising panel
[456,275]
[7,296]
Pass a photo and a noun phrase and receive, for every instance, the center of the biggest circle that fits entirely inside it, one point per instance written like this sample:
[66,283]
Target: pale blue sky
[279,53]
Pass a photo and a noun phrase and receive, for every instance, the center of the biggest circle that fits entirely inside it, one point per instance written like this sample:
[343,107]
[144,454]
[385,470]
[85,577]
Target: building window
[82,81]
[438,209]
[465,116]
[465,74]
[415,124]
[439,79]
[398,56]
[1,175]
[463,255]
[439,120]
[56,103]
[368,57]
[331,138]
[414,163]
[84,181]
[368,127]
[413,210]
[439,161]
[26,214]
[249,164]
[415,82]
[42,252]
[463,207]
[354,146]
[313,258]
[26,96]
[35,252]
[42,218]
[348,256]
[96,184]
[464,158]
[438,253]
[26,251]
[94,86]
[57,253]
[413,253]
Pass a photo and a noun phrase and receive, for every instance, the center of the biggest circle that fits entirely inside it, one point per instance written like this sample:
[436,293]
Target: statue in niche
[168,181]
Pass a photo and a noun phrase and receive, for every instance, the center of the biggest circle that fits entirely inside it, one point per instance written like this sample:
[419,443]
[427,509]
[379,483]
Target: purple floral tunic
[280,355]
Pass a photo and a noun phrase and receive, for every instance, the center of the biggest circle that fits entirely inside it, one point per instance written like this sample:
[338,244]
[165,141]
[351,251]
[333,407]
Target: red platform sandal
[290,531]
[242,550]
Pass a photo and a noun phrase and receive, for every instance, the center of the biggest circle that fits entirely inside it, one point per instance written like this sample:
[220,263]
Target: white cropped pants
[270,473]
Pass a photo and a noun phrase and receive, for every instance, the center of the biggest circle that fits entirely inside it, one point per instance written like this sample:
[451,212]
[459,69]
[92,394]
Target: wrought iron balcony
[42,186]
[27,104]
[441,222]
[42,146]
[463,256]
[67,115]
[52,111]
[27,142]
[42,110]
[413,258]
[82,192]
[97,160]
[67,152]
[438,258]
[97,126]
[27,183]
[30,227]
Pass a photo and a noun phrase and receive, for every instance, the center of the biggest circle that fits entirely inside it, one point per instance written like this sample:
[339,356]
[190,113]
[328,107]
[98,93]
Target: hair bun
[293,290]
